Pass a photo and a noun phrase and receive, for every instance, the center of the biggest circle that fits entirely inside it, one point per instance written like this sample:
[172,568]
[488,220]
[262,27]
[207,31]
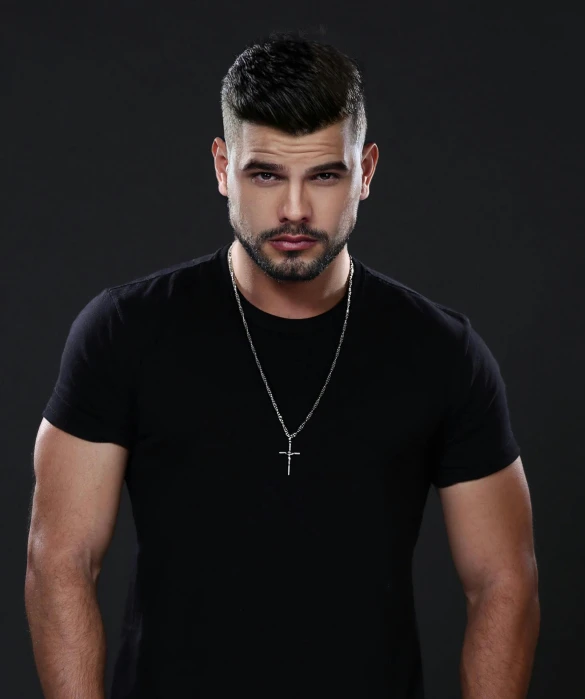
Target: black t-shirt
[248,579]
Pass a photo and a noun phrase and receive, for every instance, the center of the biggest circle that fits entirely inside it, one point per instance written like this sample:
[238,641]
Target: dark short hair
[294,84]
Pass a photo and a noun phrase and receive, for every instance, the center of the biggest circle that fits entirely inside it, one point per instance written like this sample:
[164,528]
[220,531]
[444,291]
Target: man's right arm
[75,504]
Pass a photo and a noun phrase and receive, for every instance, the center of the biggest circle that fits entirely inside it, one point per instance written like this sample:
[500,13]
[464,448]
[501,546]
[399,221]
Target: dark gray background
[108,118]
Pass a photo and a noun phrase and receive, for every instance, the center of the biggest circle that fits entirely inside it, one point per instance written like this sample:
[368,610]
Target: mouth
[298,242]
[294,238]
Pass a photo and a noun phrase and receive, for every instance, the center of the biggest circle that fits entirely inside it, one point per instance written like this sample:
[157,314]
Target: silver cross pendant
[289,453]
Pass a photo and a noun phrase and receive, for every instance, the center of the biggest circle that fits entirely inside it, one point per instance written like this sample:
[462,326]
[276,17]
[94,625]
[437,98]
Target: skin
[299,283]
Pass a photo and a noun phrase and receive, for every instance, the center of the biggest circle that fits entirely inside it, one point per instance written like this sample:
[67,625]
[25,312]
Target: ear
[370,154]
[219,152]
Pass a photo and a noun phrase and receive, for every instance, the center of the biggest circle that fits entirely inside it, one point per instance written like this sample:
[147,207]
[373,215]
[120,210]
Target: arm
[500,641]
[489,526]
[75,504]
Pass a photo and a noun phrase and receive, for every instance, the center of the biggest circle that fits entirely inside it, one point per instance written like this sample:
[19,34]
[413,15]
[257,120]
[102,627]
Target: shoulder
[142,306]
[160,286]
[427,321]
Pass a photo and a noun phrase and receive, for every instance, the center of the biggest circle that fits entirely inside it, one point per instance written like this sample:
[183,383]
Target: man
[278,412]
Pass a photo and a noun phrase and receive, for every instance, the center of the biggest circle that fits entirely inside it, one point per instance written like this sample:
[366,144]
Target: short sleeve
[92,395]
[476,437]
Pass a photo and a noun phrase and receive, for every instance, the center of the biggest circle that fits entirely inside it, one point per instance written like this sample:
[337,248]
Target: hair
[294,84]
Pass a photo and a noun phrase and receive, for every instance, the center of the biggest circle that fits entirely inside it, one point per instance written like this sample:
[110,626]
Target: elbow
[511,587]
[44,563]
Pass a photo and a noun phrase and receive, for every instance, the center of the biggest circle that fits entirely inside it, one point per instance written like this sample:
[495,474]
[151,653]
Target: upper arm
[75,500]
[490,532]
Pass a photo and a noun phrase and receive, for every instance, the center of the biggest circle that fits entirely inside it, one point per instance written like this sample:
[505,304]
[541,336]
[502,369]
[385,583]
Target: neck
[294,300]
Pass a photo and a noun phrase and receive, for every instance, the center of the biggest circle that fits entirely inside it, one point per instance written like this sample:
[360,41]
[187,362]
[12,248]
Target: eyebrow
[275,167]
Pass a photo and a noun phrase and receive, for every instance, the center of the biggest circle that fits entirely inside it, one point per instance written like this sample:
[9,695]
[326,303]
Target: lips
[294,238]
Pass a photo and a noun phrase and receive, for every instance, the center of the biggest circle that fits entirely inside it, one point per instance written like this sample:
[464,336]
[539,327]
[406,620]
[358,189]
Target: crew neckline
[332,317]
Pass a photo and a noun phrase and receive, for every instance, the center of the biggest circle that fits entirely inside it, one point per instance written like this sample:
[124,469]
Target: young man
[278,411]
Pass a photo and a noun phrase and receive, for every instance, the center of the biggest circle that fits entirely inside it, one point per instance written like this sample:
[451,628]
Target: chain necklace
[290,437]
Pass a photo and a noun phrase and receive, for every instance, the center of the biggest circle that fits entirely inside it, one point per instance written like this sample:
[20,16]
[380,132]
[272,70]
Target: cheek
[253,217]
[349,214]
[338,205]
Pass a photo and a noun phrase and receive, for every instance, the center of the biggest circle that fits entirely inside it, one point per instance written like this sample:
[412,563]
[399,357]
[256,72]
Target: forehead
[335,139]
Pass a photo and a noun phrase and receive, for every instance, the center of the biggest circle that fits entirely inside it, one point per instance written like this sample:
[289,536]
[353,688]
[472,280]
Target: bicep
[76,498]
[489,527]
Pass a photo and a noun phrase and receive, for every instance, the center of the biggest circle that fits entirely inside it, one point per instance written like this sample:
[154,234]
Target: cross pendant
[289,453]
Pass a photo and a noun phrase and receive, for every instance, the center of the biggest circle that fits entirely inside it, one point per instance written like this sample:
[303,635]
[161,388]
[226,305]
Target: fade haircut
[294,84]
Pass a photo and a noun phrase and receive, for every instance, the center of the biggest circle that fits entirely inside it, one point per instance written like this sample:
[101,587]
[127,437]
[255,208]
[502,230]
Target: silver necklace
[290,437]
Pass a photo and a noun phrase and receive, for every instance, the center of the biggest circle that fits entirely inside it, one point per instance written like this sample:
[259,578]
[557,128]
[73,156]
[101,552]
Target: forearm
[67,632]
[499,644]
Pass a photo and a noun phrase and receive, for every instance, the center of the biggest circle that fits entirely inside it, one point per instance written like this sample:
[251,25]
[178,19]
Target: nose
[295,208]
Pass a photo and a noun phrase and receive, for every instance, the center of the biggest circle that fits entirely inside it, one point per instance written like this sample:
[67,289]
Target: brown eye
[331,175]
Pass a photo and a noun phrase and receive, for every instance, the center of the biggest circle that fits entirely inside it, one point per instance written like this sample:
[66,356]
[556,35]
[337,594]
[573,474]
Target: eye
[331,175]
[253,177]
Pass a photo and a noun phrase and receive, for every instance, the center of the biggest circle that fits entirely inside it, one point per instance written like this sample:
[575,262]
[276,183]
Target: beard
[292,265]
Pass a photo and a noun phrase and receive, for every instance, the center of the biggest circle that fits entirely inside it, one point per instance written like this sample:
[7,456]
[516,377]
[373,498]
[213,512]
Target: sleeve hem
[70,419]
[475,471]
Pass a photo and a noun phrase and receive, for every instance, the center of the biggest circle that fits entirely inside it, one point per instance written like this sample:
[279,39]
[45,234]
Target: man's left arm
[489,527]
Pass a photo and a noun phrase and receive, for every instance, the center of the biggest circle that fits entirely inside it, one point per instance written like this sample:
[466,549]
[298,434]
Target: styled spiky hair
[294,84]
